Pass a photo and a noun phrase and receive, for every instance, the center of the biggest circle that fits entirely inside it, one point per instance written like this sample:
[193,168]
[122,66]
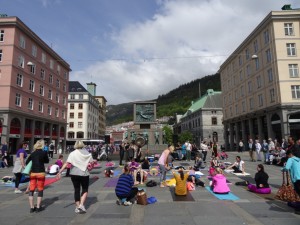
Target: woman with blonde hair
[37,174]
[80,159]
[219,184]
[163,164]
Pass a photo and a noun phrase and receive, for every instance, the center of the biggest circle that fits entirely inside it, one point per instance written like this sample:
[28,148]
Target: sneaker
[82,209]
[77,210]
[127,203]
[37,210]
[118,202]
[18,191]
[32,210]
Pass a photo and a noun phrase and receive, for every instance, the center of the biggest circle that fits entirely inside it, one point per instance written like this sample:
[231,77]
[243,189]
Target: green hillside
[176,101]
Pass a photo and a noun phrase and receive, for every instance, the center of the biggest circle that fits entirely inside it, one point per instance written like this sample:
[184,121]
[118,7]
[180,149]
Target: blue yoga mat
[228,196]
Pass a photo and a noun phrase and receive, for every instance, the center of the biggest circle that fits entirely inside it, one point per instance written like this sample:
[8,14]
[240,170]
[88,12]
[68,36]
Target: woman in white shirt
[238,166]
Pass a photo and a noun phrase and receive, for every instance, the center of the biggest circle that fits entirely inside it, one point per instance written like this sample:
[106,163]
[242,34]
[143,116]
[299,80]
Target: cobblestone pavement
[102,208]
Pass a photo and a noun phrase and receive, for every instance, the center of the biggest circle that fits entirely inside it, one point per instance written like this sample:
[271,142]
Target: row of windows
[79,125]
[30,105]
[196,123]
[72,106]
[31,88]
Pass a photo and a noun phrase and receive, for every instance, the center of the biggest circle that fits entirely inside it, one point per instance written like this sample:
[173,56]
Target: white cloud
[184,41]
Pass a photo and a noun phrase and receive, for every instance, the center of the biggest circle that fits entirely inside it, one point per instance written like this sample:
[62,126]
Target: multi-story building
[83,113]
[260,81]
[33,85]
[203,119]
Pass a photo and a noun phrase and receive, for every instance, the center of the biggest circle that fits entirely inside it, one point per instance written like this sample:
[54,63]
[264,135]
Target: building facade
[102,116]
[261,84]
[33,84]
[83,113]
[203,119]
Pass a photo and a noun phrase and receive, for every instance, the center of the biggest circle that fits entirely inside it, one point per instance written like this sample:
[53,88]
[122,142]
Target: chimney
[91,87]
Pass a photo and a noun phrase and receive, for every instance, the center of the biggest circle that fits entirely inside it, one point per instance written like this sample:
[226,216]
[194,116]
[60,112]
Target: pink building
[33,85]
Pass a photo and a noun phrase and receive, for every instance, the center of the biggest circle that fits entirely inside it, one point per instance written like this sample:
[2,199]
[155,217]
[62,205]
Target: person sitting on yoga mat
[238,166]
[124,188]
[196,181]
[261,180]
[218,183]
[181,178]
[198,163]
[139,175]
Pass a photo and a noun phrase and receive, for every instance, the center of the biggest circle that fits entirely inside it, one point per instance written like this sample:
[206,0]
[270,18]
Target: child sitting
[218,183]
[54,169]
[224,155]
[108,172]
[139,176]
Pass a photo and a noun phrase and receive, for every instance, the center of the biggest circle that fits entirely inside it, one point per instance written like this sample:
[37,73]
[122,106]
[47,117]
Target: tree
[168,131]
[185,136]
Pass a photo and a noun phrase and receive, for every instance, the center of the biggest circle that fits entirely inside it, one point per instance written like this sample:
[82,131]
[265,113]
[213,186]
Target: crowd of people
[136,167]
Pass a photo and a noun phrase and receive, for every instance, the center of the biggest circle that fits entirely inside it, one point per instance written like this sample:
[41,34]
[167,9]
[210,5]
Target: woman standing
[19,166]
[163,164]
[80,159]
[37,174]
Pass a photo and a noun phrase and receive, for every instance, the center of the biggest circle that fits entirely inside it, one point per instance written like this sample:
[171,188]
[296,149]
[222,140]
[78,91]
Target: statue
[156,137]
[145,135]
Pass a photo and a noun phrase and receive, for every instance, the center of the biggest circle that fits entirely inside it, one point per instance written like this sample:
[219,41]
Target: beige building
[260,81]
[33,85]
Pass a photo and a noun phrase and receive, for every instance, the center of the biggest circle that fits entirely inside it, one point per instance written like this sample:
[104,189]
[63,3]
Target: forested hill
[176,101]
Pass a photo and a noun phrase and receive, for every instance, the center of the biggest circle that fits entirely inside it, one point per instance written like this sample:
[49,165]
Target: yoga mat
[51,180]
[12,184]
[270,196]
[242,174]
[228,196]
[117,173]
[183,198]
[112,182]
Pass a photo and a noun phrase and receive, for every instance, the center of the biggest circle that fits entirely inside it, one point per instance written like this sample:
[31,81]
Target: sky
[136,50]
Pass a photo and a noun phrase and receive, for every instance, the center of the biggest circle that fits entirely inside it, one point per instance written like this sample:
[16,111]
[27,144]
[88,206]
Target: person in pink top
[163,164]
[218,184]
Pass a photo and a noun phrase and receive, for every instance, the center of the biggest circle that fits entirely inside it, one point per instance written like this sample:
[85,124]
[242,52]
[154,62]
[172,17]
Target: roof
[75,86]
[212,100]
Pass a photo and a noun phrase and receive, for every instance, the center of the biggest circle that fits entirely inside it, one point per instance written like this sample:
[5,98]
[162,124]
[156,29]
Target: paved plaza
[102,208]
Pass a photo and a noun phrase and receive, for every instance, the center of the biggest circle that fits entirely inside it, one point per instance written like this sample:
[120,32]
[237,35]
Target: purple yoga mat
[112,182]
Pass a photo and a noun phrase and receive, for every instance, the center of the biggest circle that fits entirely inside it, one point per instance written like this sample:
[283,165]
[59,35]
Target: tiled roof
[75,86]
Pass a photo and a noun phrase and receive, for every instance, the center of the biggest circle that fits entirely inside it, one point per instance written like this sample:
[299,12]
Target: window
[51,64]
[295,91]
[72,106]
[57,97]
[64,87]
[31,85]
[30,103]
[58,69]
[32,69]
[18,99]
[41,90]
[288,29]
[57,83]
[248,70]
[66,75]
[247,53]
[251,103]
[240,60]
[243,106]
[42,74]
[260,100]
[63,114]
[1,35]
[259,81]
[43,57]
[249,86]
[236,110]
[49,110]
[293,70]
[214,121]
[0,55]
[80,96]
[72,96]
[20,80]
[80,106]
[270,75]
[34,51]
[255,46]
[50,94]
[266,37]
[291,49]
[72,115]
[64,101]
[272,95]
[79,124]
[80,115]
[257,63]
[242,91]
[56,112]
[22,42]
[71,124]
[241,75]
[50,79]
[21,61]
[268,56]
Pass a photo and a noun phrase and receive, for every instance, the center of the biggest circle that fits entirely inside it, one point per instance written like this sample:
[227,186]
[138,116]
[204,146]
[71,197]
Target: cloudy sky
[138,49]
